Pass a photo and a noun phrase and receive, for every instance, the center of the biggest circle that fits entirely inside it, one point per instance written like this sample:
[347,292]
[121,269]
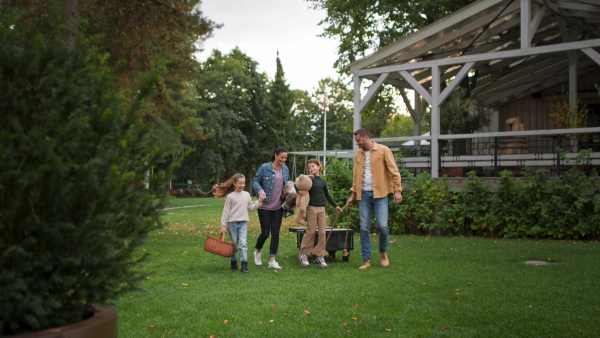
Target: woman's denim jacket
[265,179]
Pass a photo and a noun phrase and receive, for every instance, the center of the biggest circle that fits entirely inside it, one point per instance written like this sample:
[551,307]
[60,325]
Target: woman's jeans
[366,206]
[270,223]
[238,233]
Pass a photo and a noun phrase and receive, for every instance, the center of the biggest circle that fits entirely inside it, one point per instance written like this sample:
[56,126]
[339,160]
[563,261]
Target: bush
[73,206]
[529,206]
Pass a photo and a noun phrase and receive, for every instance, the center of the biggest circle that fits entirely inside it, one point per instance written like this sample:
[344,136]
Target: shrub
[72,204]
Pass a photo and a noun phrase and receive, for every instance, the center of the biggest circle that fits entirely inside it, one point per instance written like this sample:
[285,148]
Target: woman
[269,182]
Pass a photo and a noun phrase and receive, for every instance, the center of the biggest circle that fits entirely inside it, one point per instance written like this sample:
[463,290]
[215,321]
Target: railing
[488,156]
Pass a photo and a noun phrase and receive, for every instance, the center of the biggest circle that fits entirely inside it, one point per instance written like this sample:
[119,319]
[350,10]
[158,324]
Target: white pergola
[522,46]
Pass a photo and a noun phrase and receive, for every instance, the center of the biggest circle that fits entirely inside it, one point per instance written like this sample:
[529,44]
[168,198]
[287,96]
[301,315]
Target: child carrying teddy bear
[315,215]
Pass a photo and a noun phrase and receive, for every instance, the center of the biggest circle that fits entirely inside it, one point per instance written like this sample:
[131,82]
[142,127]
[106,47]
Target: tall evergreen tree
[282,123]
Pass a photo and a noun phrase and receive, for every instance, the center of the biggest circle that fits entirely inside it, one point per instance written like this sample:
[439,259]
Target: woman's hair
[278,150]
[315,161]
[227,187]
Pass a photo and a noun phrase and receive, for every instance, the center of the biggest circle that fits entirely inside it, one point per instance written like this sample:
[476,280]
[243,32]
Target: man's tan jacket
[384,171]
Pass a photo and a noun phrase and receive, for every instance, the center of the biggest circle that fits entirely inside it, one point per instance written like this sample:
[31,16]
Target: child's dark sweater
[319,194]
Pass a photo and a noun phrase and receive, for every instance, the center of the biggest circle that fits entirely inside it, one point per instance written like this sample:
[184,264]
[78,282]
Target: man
[376,176]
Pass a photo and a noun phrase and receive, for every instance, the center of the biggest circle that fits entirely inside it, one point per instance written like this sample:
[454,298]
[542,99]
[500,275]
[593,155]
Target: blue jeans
[365,208]
[238,233]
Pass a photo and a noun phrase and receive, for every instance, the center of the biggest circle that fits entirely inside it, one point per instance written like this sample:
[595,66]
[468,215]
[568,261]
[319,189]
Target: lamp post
[324,125]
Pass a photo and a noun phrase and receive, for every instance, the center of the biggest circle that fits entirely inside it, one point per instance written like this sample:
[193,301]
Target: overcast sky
[260,28]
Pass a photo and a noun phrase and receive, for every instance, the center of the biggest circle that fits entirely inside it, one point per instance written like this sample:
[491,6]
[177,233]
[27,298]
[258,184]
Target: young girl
[315,215]
[235,216]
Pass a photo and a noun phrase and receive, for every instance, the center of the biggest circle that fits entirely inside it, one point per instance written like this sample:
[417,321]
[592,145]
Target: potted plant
[75,197]
[566,117]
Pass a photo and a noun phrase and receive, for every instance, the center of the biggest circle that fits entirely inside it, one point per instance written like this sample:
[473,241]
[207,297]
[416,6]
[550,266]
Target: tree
[400,125]
[230,105]
[339,115]
[140,36]
[379,111]
[282,124]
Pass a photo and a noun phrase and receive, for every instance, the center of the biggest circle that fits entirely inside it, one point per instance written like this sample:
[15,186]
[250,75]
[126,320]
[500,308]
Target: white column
[435,121]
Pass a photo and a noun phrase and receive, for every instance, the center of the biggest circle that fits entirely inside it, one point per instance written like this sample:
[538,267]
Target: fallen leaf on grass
[183,284]
[306,313]
[225,322]
[354,318]
[273,309]
[344,324]
[355,305]
[363,321]
[446,328]
[388,330]
[270,321]
[151,326]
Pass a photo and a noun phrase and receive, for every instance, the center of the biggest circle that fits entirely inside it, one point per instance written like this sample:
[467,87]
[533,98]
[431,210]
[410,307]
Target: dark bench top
[303,229]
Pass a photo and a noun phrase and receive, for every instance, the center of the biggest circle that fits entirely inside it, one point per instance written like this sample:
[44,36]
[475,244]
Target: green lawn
[434,286]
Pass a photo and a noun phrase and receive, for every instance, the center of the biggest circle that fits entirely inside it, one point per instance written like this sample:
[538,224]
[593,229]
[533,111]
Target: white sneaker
[321,261]
[303,260]
[274,265]
[257,258]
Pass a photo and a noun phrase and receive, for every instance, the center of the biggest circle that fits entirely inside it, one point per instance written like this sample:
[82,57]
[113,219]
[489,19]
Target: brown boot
[367,264]
[384,258]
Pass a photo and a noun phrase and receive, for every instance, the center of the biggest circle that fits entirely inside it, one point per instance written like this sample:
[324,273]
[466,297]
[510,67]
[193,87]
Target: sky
[260,28]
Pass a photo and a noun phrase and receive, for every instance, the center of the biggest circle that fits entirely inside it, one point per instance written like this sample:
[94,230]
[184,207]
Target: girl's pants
[270,223]
[315,217]
[238,233]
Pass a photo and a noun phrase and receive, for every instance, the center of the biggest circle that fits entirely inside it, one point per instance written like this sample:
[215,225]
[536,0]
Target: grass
[434,287]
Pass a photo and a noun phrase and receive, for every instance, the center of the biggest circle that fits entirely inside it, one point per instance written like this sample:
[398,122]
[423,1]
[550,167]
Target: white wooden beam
[459,77]
[592,54]
[357,116]
[371,92]
[525,23]
[435,121]
[561,47]
[416,85]
[455,18]
[535,23]
[460,33]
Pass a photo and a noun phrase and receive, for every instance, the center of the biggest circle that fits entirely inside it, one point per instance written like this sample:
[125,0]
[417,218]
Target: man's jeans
[238,233]
[365,208]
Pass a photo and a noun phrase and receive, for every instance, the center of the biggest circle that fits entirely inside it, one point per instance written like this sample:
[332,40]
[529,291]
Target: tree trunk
[71,17]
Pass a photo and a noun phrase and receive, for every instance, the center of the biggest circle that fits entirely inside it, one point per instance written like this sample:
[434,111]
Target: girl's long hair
[278,150]
[227,187]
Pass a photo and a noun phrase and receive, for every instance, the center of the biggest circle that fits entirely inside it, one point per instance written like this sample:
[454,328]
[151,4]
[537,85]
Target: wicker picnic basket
[219,246]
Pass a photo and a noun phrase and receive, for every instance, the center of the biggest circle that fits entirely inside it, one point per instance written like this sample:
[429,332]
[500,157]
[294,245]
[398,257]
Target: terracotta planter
[102,324]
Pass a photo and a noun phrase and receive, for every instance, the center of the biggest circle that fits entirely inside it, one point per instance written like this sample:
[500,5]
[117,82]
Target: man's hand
[351,199]
[339,210]
[398,196]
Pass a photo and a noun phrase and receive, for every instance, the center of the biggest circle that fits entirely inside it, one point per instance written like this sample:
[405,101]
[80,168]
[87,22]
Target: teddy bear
[303,183]
[289,199]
